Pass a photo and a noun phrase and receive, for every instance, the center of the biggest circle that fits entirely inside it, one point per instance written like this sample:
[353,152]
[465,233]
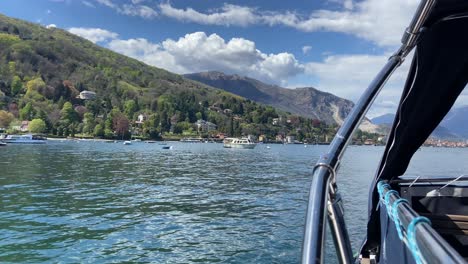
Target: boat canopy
[437,76]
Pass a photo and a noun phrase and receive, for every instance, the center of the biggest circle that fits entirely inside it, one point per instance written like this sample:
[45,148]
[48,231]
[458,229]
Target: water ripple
[97,202]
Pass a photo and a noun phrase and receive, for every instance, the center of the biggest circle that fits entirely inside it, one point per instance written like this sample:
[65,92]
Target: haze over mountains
[453,126]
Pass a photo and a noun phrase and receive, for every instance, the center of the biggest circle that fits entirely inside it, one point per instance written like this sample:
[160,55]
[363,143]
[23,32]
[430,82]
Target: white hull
[240,143]
[24,139]
[240,146]
[25,142]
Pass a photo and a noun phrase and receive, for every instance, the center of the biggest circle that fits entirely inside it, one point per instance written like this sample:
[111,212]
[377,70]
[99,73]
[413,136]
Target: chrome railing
[432,247]
[323,197]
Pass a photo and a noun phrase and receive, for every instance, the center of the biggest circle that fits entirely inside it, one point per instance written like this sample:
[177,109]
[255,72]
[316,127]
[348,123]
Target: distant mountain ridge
[457,121]
[306,101]
[453,126]
[383,119]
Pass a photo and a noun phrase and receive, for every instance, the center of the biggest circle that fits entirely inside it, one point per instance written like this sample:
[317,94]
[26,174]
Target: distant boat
[2,144]
[191,140]
[127,142]
[25,139]
[242,143]
[167,147]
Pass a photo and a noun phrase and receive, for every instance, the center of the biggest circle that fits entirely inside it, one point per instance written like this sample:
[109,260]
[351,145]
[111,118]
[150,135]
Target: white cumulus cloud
[93,34]
[197,52]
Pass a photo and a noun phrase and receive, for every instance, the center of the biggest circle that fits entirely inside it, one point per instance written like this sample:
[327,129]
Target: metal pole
[339,231]
[324,172]
[312,249]
[314,235]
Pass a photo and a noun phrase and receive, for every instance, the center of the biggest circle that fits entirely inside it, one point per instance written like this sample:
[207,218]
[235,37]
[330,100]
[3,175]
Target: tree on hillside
[68,114]
[130,108]
[16,86]
[27,112]
[37,126]
[5,118]
[121,124]
[88,123]
[98,131]
[35,85]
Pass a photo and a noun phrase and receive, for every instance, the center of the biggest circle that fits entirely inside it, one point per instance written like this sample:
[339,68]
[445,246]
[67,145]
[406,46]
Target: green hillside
[43,71]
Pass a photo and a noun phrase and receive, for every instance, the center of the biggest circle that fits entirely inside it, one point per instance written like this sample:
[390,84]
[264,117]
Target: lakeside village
[66,111]
[118,126]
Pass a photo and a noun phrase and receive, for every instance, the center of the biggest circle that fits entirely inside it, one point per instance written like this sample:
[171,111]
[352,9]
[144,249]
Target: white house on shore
[87,95]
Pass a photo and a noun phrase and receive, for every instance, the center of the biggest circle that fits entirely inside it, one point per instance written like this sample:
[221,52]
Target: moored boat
[24,139]
[127,142]
[191,140]
[242,143]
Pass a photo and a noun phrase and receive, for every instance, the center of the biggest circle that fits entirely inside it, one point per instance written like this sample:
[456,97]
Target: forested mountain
[307,101]
[43,70]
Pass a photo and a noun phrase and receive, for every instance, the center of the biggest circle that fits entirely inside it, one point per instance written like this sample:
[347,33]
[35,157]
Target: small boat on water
[242,143]
[24,139]
[191,140]
[2,144]
[127,142]
[167,147]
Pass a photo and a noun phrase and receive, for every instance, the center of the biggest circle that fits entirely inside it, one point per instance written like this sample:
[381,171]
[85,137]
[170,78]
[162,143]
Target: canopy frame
[324,200]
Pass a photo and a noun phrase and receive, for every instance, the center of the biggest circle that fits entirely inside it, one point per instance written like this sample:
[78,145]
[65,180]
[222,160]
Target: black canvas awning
[438,74]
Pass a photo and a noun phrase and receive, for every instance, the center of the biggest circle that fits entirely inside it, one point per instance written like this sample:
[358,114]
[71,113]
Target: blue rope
[392,211]
[387,199]
[411,233]
[395,217]
[381,186]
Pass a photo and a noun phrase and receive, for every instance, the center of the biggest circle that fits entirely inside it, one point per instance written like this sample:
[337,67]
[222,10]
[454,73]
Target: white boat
[191,140]
[2,144]
[127,142]
[25,139]
[242,143]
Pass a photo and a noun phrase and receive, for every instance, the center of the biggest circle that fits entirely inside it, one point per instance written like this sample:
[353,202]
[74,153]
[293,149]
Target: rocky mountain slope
[307,101]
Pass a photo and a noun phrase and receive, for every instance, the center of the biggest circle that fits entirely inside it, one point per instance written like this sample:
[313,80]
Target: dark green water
[95,202]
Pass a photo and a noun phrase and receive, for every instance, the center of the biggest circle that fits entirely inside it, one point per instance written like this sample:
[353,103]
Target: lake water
[96,202]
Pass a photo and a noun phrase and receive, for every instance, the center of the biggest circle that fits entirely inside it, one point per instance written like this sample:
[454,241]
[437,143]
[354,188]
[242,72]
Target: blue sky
[333,45]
